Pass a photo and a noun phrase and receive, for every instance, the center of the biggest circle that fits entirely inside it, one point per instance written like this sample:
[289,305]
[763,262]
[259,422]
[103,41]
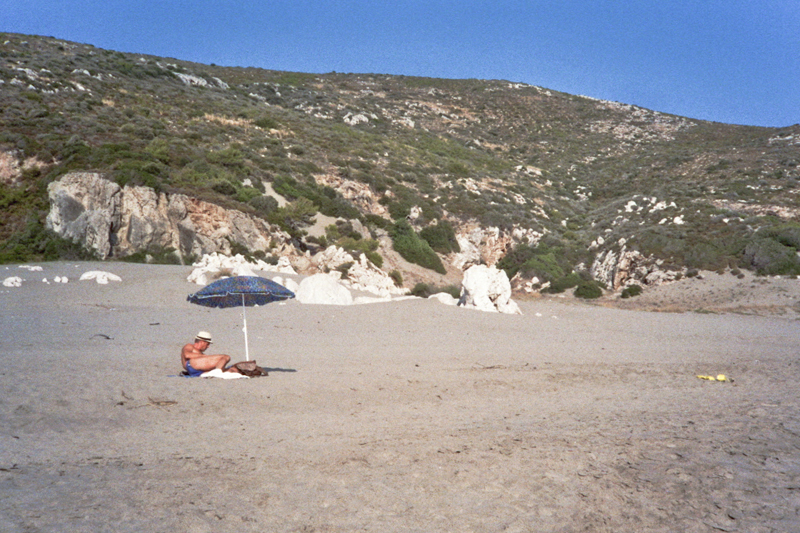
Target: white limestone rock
[362,274]
[322,289]
[487,289]
[214,266]
[289,283]
[13,281]
[443,297]
[99,276]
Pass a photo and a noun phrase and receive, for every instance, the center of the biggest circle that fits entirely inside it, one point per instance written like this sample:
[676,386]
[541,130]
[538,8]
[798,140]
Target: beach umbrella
[240,290]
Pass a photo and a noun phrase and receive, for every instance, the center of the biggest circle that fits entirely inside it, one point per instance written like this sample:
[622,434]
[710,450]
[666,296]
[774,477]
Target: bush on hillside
[588,289]
[424,290]
[35,243]
[441,237]
[264,205]
[769,257]
[563,283]
[631,291]
[397,277]
[414,249]
[550,260]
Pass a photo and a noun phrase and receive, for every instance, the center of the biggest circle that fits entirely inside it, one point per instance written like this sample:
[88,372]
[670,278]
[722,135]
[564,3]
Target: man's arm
[188,352]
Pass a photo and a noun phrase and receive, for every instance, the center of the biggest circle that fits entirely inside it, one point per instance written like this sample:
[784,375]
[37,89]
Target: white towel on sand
[217,373]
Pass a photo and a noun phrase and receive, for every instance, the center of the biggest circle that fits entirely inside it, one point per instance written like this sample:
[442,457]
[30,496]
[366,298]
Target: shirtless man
[196,362]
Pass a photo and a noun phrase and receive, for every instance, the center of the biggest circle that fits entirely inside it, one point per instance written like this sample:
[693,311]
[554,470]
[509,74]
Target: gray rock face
[116,222]
[84,208]
[617,270]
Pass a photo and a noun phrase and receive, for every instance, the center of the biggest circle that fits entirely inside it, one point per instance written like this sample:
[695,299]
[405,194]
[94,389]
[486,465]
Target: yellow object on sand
[719,377]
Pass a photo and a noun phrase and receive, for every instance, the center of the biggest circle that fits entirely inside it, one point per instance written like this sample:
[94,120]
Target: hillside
[566,182]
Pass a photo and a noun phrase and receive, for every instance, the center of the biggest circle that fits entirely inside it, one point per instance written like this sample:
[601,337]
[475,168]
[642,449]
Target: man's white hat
[204,336]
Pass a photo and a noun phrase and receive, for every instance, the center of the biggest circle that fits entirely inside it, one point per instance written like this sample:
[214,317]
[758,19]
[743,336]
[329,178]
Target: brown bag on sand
[249,368]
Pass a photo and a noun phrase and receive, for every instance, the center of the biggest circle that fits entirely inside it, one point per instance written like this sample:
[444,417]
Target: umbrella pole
[244,320]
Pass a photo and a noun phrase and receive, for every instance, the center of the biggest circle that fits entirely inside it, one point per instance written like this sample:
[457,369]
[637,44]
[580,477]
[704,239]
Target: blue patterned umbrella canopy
[240,290]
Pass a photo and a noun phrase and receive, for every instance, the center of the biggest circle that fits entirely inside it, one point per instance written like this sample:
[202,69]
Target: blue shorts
[193,372]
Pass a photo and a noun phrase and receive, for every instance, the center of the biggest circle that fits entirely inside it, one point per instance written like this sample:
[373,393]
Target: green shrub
[375,258]
[424,290]
[344,268]
[264,205]
[245,194]
[787,235]
[547,268]
[771,258]
[267,123]
[328,201]
[293,216]
[441,237]
[224,187]
[230,157]
[397,277]
[588,290]
[563,283]
[631,291]
[378,221]
[551,260]
[34,242]
[414,249]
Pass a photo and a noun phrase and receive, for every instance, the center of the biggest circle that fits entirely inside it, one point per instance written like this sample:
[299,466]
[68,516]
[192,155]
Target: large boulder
[322,289]
[487,289]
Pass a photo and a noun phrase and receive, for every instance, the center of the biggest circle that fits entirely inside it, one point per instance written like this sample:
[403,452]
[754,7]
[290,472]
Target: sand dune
[409,416]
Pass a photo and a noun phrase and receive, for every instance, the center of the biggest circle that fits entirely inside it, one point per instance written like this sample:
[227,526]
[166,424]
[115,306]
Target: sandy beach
[395,417]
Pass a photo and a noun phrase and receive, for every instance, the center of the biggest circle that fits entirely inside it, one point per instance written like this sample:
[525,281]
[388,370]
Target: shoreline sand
[406,416]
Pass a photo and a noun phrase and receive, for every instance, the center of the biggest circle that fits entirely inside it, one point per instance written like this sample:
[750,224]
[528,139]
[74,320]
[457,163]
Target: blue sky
[729,61]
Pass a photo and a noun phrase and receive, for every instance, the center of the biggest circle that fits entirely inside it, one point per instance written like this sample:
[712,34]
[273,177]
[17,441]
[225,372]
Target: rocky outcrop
[487,289]
[480,246]
[618,269]
[214,266]
[12,166]
[360,194]
[116,221]
[361,274]
[486,246]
